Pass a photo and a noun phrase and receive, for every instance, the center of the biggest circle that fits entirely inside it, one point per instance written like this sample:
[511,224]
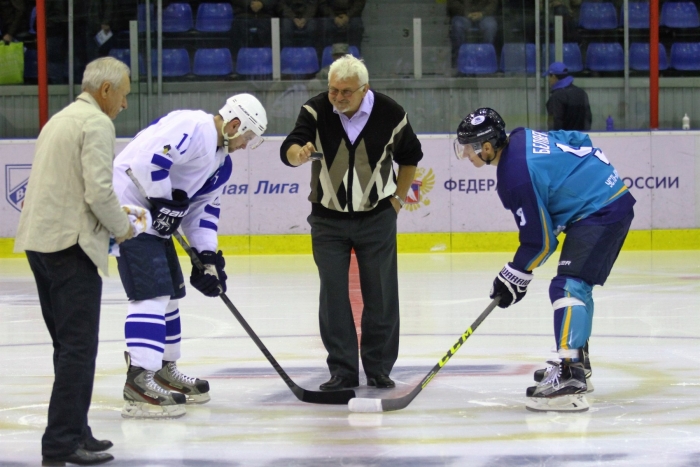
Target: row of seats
[600,57]
[600,16]
[178,17]
[250,61]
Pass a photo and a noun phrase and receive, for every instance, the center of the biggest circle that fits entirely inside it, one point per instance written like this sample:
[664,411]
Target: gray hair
[104,69]
[348,66]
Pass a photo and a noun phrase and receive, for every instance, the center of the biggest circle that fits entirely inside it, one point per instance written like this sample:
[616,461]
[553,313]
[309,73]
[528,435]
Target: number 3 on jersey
[585,151]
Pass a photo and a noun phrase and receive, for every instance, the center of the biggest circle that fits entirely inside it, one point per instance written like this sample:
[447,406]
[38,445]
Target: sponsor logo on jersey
[16,179]
[421,186]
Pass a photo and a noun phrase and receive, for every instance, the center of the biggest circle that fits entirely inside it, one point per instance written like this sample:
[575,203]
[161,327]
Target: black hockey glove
[511,284]
[213,276]
[168,213]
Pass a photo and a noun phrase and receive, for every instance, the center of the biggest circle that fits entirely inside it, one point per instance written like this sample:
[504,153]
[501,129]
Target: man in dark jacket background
[567,107]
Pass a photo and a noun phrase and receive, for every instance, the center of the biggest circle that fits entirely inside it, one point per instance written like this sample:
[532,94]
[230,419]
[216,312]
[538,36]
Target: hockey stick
[315,397]
[361,404]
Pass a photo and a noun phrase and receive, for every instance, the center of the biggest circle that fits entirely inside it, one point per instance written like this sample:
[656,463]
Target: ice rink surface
[644,351]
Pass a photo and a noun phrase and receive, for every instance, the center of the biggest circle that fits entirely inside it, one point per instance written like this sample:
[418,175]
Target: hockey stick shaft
[304,395]
[387,405]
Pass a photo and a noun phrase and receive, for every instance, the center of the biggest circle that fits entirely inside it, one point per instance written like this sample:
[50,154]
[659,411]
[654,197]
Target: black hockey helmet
[482,125]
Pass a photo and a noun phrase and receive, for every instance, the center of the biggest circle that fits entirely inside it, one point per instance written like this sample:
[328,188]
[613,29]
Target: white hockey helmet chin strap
[250,112]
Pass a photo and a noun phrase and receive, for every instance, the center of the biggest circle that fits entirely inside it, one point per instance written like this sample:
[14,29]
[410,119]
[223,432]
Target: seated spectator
[14,18]
[298,22]
[342,21]
[337,51]
[251,23]
[469,14]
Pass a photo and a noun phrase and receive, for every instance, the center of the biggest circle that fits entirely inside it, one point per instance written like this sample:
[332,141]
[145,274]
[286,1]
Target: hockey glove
[168,213]
[511,284]
[213,276]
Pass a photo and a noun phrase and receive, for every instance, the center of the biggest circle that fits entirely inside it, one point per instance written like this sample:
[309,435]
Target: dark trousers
[374,241]
[70,290]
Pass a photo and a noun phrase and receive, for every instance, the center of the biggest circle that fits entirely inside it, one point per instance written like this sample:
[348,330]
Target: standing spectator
[14,18]
[298,23]
[337,51]
[567,107]
[251,23]
[355,200]
[342,21]
[69,212]
[468,14]
[554,182]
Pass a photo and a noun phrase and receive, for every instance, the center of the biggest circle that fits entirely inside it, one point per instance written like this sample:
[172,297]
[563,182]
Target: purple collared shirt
[353,126]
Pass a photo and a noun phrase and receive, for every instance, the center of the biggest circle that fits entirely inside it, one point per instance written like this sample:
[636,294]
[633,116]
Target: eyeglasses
[346,93]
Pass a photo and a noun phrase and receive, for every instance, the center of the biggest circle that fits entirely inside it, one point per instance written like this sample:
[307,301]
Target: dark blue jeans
[70,290]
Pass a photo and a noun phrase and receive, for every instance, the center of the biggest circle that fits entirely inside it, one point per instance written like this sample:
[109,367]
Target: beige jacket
[69,197]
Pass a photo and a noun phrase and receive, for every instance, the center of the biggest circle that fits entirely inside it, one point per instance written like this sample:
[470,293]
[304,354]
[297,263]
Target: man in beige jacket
[69,212]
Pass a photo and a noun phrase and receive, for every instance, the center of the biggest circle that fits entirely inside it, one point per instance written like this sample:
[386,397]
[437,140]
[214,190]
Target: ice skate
[144,398]
[562,389]
[195,390]
[583,357]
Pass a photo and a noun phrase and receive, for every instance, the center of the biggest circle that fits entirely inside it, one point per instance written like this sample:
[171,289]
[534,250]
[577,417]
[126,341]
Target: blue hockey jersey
[551,180]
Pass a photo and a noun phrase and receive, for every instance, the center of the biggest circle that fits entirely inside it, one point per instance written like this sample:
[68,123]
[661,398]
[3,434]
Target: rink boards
[264,205]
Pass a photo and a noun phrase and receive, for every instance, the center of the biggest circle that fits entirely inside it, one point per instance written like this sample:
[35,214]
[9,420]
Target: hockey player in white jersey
[181,161]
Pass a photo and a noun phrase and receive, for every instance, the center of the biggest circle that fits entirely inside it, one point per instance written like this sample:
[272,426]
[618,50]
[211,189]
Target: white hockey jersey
[178,151]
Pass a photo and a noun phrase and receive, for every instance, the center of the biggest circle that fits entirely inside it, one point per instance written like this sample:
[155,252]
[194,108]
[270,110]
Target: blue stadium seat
[177,17]
[30,64]
[477,59]
[214,17]
[639,15]
[571,54]
[176,62]
[327,57]
[254,61]
[141,16]
[605,56]
[685,56]
[679,15]
[597,16]
[298,60]
[518,58]
[213,62]
[124,55]
[639,56]
[32,22]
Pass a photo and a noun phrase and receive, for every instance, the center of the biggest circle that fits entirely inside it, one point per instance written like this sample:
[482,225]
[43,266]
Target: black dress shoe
[380,382]
[338,382]
[96,445]
[79,457]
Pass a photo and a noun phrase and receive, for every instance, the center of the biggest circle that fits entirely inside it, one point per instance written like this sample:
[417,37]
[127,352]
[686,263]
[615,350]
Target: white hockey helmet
[250,112]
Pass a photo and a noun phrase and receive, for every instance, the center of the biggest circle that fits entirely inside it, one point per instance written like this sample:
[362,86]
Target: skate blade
[197,399]
[570,403]
[143,410]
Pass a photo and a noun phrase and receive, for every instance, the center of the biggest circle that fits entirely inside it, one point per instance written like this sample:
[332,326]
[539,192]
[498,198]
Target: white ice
[644,350]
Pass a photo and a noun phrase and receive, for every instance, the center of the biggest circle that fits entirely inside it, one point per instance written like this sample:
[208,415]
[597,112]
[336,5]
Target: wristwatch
[401,202]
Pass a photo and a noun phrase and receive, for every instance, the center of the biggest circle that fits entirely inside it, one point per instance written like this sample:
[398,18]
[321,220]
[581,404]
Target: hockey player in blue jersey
[181,162]
[554,182]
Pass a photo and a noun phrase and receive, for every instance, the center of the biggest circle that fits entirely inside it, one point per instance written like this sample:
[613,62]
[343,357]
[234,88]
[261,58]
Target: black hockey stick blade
[367,405]
[315,397]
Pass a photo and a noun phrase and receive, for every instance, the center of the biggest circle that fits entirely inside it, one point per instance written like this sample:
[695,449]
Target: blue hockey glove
[168,213]
[213,276]
[511,284]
